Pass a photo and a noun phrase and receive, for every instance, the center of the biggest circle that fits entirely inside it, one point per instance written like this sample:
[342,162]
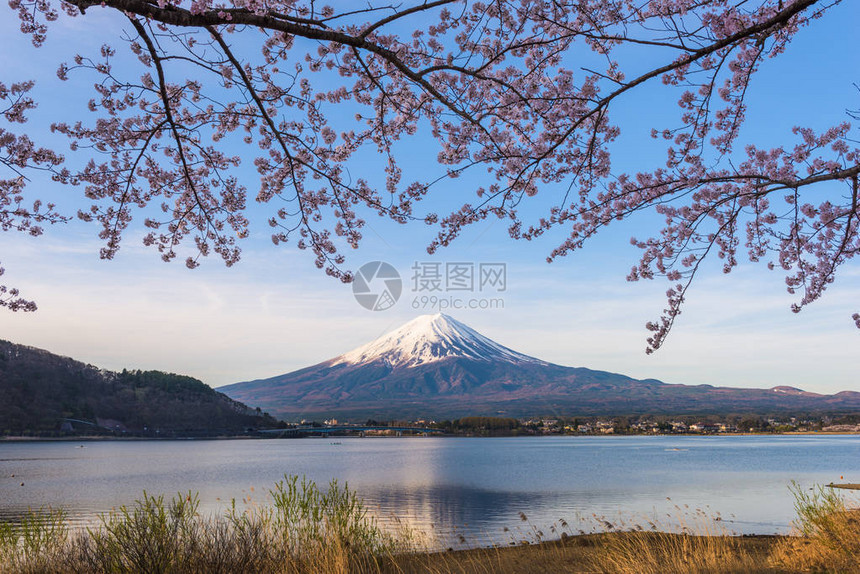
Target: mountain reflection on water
[457,491]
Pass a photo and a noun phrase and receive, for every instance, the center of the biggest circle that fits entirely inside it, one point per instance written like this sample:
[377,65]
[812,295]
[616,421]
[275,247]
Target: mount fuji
[430,339]
[436,366]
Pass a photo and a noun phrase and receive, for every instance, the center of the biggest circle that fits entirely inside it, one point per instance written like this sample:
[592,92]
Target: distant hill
[43,392]
[435,366]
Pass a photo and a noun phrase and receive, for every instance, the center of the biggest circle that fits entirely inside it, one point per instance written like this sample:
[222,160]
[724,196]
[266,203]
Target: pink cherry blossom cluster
[18,156]
[500,87]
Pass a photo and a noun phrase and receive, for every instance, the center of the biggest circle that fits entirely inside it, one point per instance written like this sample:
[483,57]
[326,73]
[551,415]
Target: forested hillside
[41,393]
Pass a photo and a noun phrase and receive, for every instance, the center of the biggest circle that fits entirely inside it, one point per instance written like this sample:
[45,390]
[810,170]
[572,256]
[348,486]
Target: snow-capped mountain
[431,338]
[436,366]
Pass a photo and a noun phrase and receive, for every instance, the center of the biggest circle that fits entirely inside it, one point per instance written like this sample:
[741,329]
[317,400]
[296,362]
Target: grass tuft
[661,552]
[307,529]
[828,533]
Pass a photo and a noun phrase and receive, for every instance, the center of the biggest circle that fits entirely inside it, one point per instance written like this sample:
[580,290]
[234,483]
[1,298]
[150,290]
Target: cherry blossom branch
[20,156]
[502,87]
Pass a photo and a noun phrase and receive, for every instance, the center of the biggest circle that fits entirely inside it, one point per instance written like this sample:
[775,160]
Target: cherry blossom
[502,88]
[18,156]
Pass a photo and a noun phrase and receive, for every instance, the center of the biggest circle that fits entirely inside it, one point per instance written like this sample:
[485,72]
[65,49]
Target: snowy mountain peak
[431,338]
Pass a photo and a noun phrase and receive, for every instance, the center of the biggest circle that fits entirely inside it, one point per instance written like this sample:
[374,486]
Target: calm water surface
[448,487]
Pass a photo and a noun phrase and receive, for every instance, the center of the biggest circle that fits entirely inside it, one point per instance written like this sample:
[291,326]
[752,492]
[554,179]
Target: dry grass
[308,530]
[660,552]
[593,553]
[695,543]
[828,534]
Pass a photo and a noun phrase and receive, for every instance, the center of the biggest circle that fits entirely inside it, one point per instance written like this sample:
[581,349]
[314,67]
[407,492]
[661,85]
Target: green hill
[46,393]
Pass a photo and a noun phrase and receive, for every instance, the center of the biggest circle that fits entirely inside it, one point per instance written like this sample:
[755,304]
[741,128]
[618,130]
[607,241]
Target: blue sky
[275,312]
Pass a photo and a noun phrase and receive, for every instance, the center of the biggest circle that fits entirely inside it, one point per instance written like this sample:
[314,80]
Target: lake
[459,491]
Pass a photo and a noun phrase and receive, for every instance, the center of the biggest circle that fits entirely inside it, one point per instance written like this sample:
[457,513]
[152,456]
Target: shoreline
[107,438]
[573,554]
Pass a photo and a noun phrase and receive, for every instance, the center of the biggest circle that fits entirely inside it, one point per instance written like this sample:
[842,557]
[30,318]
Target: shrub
[305,530]
[829,533]
[149,537]
[35,542]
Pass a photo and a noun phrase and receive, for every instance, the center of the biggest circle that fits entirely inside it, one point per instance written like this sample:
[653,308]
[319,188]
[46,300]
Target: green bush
[304,530]
[34,543]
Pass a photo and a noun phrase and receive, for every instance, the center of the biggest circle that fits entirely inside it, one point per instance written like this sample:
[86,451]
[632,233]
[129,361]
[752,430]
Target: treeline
[643,424]
[480,425]
[648,424]
[45,393]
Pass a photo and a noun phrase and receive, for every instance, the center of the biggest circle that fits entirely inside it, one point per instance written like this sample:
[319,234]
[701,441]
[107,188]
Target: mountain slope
[41,391]
[435,366]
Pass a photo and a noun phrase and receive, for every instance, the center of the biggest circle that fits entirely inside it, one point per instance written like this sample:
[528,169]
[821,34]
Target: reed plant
[827,537]
[661,552]
[307,529]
